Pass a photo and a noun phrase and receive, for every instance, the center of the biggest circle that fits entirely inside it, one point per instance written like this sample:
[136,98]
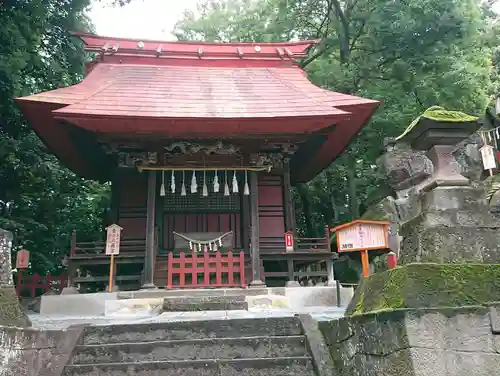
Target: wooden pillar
[115,199]
[245,223]
[287,198]
[149,257]
[254,230]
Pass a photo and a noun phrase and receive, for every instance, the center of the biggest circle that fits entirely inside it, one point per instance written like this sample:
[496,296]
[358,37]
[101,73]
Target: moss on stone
[438,113]
[427,286]
[11,313]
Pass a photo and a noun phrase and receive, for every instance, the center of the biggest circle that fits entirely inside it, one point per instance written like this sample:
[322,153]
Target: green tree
[43,201]
[411,54]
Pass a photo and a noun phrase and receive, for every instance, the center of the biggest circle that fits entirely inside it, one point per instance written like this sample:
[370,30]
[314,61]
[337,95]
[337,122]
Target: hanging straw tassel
[226,185]
[216,182]
[235,183]
[194,185]
[172,182]
[205,188]
[183,188]
[246,190]
[162,187]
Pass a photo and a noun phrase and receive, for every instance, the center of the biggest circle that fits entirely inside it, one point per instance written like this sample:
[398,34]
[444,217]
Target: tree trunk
[306,208]
[351,182]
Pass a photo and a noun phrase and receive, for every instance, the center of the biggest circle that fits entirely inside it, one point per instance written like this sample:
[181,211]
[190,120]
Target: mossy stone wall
[427,286]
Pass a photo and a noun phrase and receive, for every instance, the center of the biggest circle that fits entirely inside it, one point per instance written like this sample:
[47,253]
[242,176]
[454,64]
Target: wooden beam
[254,230]
[149,259]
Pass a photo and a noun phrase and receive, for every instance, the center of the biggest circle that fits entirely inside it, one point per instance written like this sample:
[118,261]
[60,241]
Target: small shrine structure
[201,143]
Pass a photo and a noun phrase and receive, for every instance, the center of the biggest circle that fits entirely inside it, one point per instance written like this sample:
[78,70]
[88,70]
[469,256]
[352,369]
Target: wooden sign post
[22,259]
[489,158]
[113,233]
[289,241]
[362,236]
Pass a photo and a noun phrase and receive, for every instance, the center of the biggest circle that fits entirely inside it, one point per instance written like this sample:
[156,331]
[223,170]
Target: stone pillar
[150,255]
[254,230]
[11,313]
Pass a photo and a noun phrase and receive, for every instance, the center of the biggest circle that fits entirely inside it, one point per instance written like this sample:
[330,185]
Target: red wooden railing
[225,267]
[269,244]
[38,285]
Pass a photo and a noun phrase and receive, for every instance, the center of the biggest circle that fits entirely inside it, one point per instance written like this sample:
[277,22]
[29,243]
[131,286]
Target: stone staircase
[243,347]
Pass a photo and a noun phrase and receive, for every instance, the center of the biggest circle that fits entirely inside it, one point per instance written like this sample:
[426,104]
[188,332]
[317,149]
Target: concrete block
[75,305]
[134,307]
[316,296]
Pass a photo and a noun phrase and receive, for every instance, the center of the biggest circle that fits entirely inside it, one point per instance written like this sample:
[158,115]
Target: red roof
[200,89]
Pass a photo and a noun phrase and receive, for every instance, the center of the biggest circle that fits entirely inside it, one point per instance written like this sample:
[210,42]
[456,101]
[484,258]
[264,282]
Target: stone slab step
[185,330]
[215,348]
[204,303]
[162,293]
[297,366]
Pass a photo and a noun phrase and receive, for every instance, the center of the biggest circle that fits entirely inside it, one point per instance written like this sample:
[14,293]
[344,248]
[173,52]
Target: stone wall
[32,352]
[426,342]
[11,313]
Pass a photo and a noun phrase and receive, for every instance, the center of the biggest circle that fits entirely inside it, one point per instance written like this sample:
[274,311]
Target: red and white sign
[289,241]
[113,233]
[22,259]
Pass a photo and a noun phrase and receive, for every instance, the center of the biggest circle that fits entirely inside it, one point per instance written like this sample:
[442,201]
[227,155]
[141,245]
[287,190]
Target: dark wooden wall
[185,214]
[131,189]
[271,210]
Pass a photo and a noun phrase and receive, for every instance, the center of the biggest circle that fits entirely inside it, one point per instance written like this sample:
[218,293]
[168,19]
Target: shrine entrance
[207,217]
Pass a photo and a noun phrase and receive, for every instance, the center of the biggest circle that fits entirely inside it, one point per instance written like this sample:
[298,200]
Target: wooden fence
[37,285]
[225,269]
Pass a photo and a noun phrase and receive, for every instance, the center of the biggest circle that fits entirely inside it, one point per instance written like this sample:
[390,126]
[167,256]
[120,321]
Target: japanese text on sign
[362,236]
[113,240]
[289,241]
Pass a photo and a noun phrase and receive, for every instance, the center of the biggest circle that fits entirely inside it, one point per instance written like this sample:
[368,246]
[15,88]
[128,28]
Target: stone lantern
[454,223]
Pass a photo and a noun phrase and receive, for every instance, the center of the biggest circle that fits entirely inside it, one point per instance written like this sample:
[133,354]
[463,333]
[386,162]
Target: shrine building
[201,143]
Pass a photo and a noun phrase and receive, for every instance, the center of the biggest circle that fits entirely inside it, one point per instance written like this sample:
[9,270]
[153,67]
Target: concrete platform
[76,305]
[90,305]
[62,322]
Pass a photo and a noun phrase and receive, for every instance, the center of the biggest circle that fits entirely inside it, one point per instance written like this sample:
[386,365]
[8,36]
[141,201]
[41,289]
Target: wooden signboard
[362,236]
[289,241]
[22,259]
[113,233]
[488,157]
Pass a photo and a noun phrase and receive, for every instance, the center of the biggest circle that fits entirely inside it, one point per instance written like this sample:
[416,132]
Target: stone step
[162,293]
[216,348]
[204,303]
[296,366]
[186,330]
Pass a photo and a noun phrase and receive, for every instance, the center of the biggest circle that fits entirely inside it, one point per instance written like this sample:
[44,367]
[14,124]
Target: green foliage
[410,54]
[45,200]
[427,286]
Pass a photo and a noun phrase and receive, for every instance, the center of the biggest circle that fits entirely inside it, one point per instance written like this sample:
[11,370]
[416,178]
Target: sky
[147,19]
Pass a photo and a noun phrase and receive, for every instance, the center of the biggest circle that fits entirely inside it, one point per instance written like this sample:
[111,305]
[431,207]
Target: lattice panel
[195,202]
